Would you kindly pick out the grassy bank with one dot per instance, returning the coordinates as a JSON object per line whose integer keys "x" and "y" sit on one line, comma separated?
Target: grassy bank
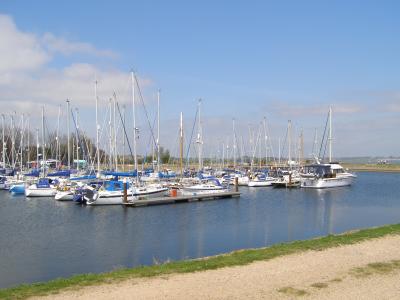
{"x": 235, "y": 258}
{"x": 372, "y": 167}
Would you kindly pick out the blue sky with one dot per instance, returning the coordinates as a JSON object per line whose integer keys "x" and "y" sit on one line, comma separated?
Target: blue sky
{"x": 248, "y": 59}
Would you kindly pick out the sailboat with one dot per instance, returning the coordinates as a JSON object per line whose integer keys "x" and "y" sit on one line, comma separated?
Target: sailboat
{"x": 44, "y": 187}
{"x": 288, "y": 178}
{"x": 326, "y": 175}
{"x": 137, "y": 191}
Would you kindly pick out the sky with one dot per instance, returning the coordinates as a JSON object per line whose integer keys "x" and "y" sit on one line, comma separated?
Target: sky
{"x": 246, "y": 60}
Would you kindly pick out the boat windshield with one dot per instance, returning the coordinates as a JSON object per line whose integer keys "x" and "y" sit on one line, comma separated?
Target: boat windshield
{"x": 319, "y": 170}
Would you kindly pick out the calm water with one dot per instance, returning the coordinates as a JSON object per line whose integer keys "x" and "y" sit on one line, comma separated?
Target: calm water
{"x": 42, "y": 239}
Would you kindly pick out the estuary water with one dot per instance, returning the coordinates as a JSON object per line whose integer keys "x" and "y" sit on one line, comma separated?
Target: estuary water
{"x": 43, "y": 239}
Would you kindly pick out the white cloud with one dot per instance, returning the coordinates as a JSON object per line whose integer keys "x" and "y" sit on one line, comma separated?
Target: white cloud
{"x": 60, "y": 45}
{"x": 27, "y": 81}
{"x": 19, "y": 51}
{"x": 290, "y": 110}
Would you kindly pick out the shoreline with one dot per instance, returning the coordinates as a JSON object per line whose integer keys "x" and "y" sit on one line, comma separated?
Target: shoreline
{"x": 372, "y": 168}
{"x": 240, "y": 258}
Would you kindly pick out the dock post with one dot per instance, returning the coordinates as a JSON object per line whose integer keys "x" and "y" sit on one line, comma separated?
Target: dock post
{"x": 236, "y": 183}
{"x": 125, "y": 200}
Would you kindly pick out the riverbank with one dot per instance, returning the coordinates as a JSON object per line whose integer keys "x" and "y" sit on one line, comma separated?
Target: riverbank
{"x": 284, "y": 270}
{"x": 372, "y": 167}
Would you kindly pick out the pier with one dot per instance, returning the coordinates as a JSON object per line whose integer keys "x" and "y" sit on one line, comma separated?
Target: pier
{"x": 182, "y": 198}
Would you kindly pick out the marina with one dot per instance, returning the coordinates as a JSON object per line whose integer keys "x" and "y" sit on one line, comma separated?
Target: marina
{"x": 46, "y": 239}
{"x": 194, "y": 149}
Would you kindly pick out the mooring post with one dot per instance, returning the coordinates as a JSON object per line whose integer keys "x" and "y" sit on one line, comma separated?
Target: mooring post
{"x": 236, "y": 183}
{"x": 125, "y": 200}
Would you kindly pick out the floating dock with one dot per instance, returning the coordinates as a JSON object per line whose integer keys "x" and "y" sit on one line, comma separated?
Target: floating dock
{"x": 182, "y": 198}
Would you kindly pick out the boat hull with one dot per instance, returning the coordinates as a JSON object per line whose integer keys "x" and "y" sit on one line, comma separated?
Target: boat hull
{"x": 260, "y": 183}
{"x": 96, "y": 199}
{"x": 64, "y": 196}
{"x": 323, "y": 183}
{"x": 195, "y": 192}
{"x": 40, "y": 192}
{"x": 17, "y": 189}
{"x": 4, "y": 186}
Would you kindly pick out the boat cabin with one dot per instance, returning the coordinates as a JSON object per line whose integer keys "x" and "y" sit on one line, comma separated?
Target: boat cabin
{"x": 324, "y": 170}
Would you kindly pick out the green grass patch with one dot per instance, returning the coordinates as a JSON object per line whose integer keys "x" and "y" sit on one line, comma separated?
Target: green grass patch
{"x": 319, "y": 285}
{"x": 376, "y": 268}
{"x": 372, "y": 167}
{"x": 336, "y": 280}
{"x": 292, "y": 291}
{"x": 236, "y": 258}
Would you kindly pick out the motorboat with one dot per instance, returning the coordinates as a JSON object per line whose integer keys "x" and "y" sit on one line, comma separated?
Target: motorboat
{"x": 66, "y": 190}
{"x": 328, "y": 175}
{"x": 209, "y": 186}
{"x": 287, "y": 179}
{"x": 260, "y": 179}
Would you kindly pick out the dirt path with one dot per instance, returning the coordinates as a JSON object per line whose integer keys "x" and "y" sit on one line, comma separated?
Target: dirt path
{"x": 369, "y": 270}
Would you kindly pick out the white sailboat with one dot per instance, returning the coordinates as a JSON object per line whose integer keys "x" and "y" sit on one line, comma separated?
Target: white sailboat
{"x": 44, "y": 187}
{"x": 288, "y": 178}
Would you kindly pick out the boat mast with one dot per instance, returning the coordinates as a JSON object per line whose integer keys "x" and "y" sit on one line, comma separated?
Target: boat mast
{"x": 259, "y": 150}
{"x": 29, "y": 139}
{"x": 37, "y": 149}
{"x": 279, "y": 151}
{"x": 223, "y": 155}
{"x": 330, "y": 134}
{"x": 110, "y": 134}
{"x": 158, "y": 131}
{"x": 22, "y": 140}
{"x": 57, "y": 136}
{"x": 12, "y": 141}
{"x": 123, "y": 143}
{"x": 97, "y": 128}
{"x": 234, "y": 144}
{"x": 289, "y": 141}
{"x": 242, "y": 152}
{"x": 68, "y": 136}
{"x": 266, "y": 140}
{"x": 43, "y": 145}
{"x": 3, "y": 139}
{"x": 199, "y": 137}
{"x": 181, "y": 144}
{"x": 115, "y": 133}
{"x": 315, "y": 144}
{"x": 134, "y": 126}
{"x": 301, "y": 160}
{"x": 250, "y": 142}
{"x": 77, "y": 138}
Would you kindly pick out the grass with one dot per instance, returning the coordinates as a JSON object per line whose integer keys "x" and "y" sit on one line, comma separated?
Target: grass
{"x": 319, "y": 285}
{"x": 372, "y": 167}
{"x": 292, "y": 291}
{"x": 236, "y": 258}
{"x": 376, "y": 268}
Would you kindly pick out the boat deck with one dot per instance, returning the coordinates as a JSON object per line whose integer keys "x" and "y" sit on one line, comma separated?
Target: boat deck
{"x": 182, "y": 198}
